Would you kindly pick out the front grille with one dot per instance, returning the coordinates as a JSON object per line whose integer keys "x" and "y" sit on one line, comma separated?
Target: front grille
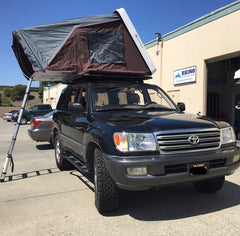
{"x": 179, "y": 141}
{"x": 183, "y": 168}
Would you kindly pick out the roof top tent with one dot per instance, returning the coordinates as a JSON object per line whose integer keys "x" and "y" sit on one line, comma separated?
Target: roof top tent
{"x": 67, "y": 50}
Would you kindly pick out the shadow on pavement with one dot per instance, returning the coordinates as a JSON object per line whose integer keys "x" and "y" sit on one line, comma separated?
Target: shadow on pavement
{"x": 177, "y": 202}
{"x": 86, "y": 179}
{"x": 44, "y": 146}
{"x": 171, "y": 202}
{"x": 31, "y": 174}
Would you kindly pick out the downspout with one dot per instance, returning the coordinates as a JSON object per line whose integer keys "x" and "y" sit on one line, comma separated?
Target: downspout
{"x": 160, "y": 51}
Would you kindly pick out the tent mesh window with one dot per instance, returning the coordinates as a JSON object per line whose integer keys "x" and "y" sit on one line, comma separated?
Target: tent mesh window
{"x": 106, "y": 47}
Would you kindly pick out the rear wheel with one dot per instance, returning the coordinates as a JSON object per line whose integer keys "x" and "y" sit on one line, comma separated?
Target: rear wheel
{"x": 106, "y": 191}
{"x": 61, "y": 162}
{"x": 210, "y": 185}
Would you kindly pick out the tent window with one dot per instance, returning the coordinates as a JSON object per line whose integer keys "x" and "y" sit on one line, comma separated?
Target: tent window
{"x": 106, "y": 47}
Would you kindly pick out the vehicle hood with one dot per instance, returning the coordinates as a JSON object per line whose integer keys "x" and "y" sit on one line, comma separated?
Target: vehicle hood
{"x": 156, "y": 121}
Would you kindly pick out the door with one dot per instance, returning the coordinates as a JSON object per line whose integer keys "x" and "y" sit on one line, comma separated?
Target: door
{"x": 79, "y": 124}
{"x": 74, "y": 125}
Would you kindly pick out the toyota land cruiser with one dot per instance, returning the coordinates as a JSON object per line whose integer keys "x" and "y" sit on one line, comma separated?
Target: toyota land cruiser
{"x": 132, "y": 136}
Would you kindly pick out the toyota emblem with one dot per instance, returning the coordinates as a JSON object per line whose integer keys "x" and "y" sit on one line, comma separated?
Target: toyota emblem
{"x": 193, "y": 139}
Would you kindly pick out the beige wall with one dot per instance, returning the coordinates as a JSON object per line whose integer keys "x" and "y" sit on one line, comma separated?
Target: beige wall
{"x": 219, "y": 39}
{"x": 52, "y": 94}
{"x": 157, "y": 59}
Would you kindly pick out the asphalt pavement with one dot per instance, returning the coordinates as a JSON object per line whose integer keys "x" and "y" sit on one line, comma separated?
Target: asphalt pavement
{"x": 38, "y": 199}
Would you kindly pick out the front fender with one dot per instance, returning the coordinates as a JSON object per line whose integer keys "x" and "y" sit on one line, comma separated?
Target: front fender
{"x": 101, "y": 139}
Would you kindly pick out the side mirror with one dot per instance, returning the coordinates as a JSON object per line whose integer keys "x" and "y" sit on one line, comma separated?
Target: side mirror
{"x": 181, "y": 106}
{"x": 75, "y": 108}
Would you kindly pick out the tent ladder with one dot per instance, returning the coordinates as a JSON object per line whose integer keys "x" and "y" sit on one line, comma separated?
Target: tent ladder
{"x": 9, "y": 158}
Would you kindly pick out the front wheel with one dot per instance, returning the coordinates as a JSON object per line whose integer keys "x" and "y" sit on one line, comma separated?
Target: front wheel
{"x": 210, "y": 185}
{"x": 106, "y": 191}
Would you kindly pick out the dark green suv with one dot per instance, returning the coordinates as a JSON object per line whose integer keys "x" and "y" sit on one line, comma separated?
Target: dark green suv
{"x": 34, "y": 110}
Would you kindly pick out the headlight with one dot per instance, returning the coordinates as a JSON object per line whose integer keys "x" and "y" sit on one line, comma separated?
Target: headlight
{"x": 134, "y": 142}
{"x": 227, "y": 135}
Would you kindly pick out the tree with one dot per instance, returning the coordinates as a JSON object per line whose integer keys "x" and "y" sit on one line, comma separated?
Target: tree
{"x": 7, "y": 92}
{"x": 18, "y": 92}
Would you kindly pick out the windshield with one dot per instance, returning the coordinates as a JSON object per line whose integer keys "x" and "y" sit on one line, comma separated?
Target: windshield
{"x": 137, "y": 96}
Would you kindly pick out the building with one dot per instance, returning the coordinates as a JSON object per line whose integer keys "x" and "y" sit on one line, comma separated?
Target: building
{"x": 52, "y": 94}
{"x": 196, "y": 64}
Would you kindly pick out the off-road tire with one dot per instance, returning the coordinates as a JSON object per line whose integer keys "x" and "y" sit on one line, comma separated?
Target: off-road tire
{"x": 61, "y": 162}
{"x": 210, "y": 185}
{"x": 106, "y": 191}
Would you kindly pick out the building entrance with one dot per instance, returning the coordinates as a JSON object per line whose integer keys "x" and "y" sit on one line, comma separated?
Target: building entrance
{"x": 223, "y": 94}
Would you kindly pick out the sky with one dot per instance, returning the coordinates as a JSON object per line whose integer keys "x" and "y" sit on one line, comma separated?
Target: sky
{"x": 148, "y": 17}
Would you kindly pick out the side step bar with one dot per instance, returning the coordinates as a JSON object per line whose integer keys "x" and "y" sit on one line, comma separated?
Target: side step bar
{"x": 76, "y": 162}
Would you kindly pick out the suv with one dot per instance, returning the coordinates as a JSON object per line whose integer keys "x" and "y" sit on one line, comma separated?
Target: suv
{"x": 34, "y": 110}
{"x": 132, "y": 136}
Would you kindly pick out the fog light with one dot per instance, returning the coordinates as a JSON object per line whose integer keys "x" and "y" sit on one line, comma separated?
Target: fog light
{"x": 236, "y": 158}
{"x": 137, "y": 171}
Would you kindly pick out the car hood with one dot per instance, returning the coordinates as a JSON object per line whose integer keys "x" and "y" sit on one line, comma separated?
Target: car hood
{"x": 139, "y": 121}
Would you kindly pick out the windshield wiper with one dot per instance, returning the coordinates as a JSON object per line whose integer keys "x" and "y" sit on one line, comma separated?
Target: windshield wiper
{"x": 157, "y": 107}
{"x": 120, "y": 108}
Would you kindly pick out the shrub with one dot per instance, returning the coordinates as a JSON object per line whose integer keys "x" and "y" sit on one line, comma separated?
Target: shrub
{"x": 7, "y": 92}
{"x": 6, "y": 102}
{"x": 18, "y": 92}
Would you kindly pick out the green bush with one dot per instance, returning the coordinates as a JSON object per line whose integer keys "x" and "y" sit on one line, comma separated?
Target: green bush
{"x": 7, "y": 92}
{"x": 6, "y": 102}
{"x": 18, "y": 92}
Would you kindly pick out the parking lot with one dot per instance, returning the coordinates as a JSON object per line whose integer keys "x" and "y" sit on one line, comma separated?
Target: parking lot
{"x": 38, "y": 199}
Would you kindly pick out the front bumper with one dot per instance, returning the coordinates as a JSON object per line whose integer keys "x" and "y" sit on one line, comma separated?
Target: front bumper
{"x": 170, "y": 169}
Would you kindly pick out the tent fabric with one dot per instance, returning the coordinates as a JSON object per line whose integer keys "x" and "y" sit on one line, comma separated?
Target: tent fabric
{"x": 76, "y": 47}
